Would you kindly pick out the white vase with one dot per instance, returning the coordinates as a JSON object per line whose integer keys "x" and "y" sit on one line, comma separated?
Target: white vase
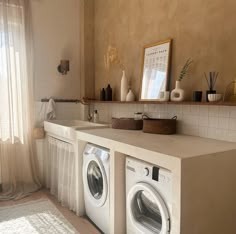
{"x": 123, "y": 87}
{"x": 177, "y": 94}
{"x": 130, "y": 96}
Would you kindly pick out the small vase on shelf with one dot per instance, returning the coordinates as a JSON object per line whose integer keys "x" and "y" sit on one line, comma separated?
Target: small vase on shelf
{"x": 211, "y": 81}
{"x": 209, "y": 92}
{"x": 108, "y": 93}
{"x": 177, "y": 94}
{"x": 102, "y": 95}
{"x": 123, "y": 87}
{"x": 130, "y": 96}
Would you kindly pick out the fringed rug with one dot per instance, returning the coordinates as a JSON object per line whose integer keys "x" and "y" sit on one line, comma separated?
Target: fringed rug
{"x": 34, "y": 217}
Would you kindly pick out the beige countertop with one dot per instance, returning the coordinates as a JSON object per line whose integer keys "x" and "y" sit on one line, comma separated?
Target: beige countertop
{"x": 180, "y": 146}
{"x": 191, "y": 175}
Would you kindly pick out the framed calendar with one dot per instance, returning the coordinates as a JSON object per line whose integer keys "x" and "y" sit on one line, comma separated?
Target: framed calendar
{"x": 155, "y": 70}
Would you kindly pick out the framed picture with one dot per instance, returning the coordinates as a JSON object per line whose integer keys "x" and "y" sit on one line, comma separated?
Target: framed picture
{"x": 155, "y": 70}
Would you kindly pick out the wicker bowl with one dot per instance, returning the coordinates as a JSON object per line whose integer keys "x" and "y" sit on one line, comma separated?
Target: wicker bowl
{"x": 160, "y": 126}
{"x": 127, "y": 123}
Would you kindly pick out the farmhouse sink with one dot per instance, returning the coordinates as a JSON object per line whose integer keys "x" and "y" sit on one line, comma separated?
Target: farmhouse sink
{"x": 66, "y": 129}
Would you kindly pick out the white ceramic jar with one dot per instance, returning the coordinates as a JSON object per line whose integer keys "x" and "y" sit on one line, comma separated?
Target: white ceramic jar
{"x": 177, "y": 94}
{"x": 130, "y": 96}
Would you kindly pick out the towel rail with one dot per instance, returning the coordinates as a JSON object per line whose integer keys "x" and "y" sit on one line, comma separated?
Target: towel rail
{"x": 62, "y": 100}
{"x": 84, "y": 101}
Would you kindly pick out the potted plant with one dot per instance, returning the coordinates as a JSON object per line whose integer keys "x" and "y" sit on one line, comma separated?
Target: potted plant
{"x": 177, "y": 94}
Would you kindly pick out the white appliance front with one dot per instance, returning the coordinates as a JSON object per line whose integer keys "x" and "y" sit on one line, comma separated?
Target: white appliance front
{"x": 96, "y": 185}
{"x": 146, "y": 188}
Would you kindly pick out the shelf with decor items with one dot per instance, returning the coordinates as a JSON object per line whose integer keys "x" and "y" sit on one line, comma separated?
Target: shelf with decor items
{"x": 172, "y": 103}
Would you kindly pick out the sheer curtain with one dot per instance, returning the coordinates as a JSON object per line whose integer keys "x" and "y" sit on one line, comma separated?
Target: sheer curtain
{"x": 18, "y": 172}
{"x": 59, "y": 165}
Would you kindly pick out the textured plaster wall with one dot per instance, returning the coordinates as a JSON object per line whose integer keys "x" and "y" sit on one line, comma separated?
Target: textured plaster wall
{"x": 203, "y": 30}
{"x": 56, "y": 36}
{"x": 89, "y": 48}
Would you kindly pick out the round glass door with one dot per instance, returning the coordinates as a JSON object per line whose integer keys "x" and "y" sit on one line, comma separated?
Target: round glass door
{"x": 146, "y": 211}
{"x": 95, "y": 180}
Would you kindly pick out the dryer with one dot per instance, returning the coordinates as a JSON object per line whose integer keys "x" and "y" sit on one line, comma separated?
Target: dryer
{"x": 96, "y": 185}
{"x": 148, "y": 198}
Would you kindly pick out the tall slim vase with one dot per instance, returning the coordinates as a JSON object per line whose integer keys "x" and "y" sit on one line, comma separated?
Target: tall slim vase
{"x": 123, "y": 87}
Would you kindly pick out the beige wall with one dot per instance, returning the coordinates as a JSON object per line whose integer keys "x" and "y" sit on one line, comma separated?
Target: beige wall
{"x": 87, "y": 48}
{"x": 203, "y": 30}
{"x": 56, "y": 37}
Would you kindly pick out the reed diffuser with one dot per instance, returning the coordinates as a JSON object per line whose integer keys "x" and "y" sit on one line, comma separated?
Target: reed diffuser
{"x": 211, "y": 81}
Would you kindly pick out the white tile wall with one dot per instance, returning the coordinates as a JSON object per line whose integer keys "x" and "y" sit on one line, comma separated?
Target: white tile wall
{"x": 217, "y": 122}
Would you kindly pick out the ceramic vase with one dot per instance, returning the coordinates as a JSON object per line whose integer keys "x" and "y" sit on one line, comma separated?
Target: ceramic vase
{"x": 177, "y": 94}
{"x": 130, "y": 96}
{"x": 123, "y": 87}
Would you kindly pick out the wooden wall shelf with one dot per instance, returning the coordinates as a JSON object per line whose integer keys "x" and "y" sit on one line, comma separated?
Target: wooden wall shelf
{"x": 173, "y": 103}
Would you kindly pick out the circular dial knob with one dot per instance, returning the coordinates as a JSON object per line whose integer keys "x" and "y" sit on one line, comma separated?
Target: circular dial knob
{"x": 145, "y": 171}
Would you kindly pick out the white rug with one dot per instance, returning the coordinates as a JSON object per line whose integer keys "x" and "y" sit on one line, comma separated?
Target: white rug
{"x": 34, "y": 217}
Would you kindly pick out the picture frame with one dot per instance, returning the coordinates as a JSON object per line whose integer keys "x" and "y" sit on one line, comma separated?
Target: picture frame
{"x": 155, "y": 70}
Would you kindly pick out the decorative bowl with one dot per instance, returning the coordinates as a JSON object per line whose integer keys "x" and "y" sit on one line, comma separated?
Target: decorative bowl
{"x": 214, "y": 97}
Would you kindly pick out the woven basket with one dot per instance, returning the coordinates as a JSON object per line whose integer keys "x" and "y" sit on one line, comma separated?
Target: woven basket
{"x": 160, "y": 126}
{"x": 127, "y": 123}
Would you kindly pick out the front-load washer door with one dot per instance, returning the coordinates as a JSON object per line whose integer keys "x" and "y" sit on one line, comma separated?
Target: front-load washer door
{"x": 95, "y": 180}
{"x": 147, "y": 210}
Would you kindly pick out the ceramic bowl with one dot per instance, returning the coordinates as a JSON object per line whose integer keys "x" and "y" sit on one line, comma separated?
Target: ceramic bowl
{"x": 214, "y": 97}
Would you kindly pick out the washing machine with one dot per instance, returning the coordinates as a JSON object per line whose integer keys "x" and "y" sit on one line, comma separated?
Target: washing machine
{"x": 96, "y": 185}
{"x": 148, "y": 198}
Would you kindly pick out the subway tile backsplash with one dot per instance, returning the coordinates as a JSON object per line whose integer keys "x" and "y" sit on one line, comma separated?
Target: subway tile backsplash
{"x": 216, "y": 122}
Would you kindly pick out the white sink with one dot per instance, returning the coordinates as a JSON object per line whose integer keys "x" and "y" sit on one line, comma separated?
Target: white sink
{"x": 66, "y": 129}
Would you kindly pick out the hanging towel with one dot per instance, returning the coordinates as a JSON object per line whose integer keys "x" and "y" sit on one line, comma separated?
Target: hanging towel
{"x": 51, "y": 110}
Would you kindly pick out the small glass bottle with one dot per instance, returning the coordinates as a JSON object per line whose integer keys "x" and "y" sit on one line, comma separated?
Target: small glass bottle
{"x": 95, "y": 116}
{"x": 102, "y": 95}
{"x": 108, "y": 93}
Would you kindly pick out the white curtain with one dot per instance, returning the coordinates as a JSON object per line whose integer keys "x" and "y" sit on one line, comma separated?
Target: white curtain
{"x": 59, "y": 164}
{"x": 18, "y": 172}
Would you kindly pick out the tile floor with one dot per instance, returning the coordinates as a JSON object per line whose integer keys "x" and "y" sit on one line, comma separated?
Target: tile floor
{"x": 80, "y": 223}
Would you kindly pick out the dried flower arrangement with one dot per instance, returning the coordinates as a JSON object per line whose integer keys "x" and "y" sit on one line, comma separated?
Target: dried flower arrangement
{"x": 185, "y": 69}
{"x": 112, "y": 58}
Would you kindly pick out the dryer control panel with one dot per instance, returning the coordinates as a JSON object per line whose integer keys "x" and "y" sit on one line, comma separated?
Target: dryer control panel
{"x": 148, "y": 171}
